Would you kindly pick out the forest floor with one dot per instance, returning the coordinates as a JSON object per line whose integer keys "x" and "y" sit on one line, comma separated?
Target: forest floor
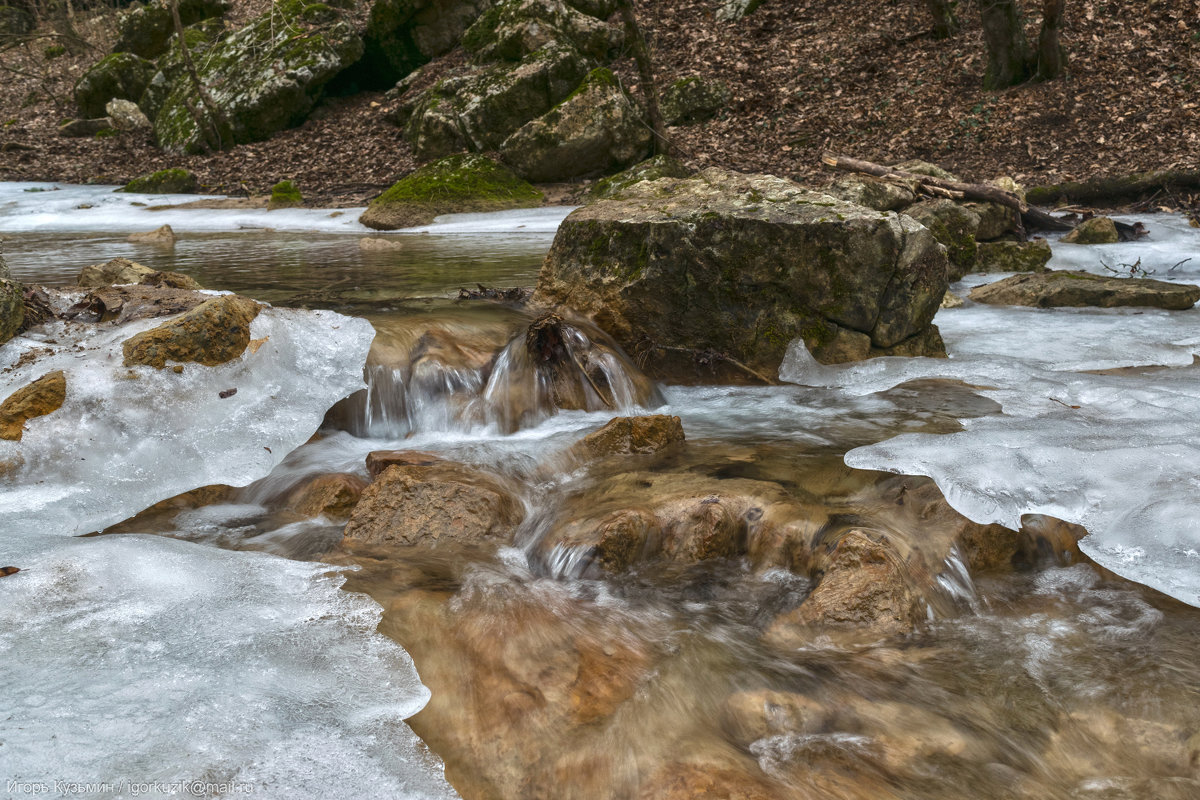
{"x": 863, "y": 78}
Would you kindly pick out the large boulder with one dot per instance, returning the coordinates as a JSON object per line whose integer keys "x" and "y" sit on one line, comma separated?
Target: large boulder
{"x": 263, "y": 78}
{"x": 453, "y": 184}
{"x": 172, "y": 65}
{"x": 43, "y": 396}
{"x": 871, "y": 192}
{"x": 653, "y": 168}
{"x": 1063, "y": 288}
{"x": 214, "y": 332}
{"x": 439, "y": 503}
{"x": 120, "y": 75}
{"x": 478, "y": 111}
{"x": 744, "y": 264}
{"x": 401, "y": 35}
{"x": 144, "y": 30}
{"x": 954, "y": 226}
{"x": 512, "y": 29}
{"x": 597, "y": 129}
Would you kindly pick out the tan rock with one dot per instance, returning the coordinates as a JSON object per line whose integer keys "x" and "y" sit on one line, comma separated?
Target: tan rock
{"x": 43, "y": 396}
{"x": 379, "y": 460}
{"x": 214, "y": 332}
{"x": 121, "y": 271}
{"x": 121, "y": 304}
{"x": 379, "y": 244}
{"x": 1075, "y": 289}
{"x": 951, "y": 300}
{"x": 634, "y": 435}
{"x": 442, "y": 502}
{"x": 333, "y": 495}
{"x": 749, "y": 716}
{"x": 163, "y": 236}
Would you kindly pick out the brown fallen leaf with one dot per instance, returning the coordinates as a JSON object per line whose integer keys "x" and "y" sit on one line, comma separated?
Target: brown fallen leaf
{"x": 6, "y": 571}
{"x": 257, "y": 343}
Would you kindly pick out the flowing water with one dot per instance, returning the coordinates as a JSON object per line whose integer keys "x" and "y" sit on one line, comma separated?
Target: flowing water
{"x": 207, "y": 641}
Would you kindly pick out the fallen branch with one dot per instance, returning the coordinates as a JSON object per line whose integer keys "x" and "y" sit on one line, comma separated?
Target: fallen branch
{"x": 705, "y": 357}
{"x": 937, "y": 186}
{"x": 1103, "y": 190}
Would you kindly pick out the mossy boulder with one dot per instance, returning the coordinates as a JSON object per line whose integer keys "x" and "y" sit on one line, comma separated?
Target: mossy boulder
{"x": 1031, "y": 256}
{"x": 1097, "y": 230}
{"x": 512, "y": 29}
{"x": 692, "y": 99}
{"x": 743, "y": 265}
{"x": 596, "y": 130}
{"x": 175, "y": 180}
{"x": 146, "y": 29}
{"x": 481, "y": 109}
{"x": 864, "y": 190}
{"x": 1062, "y": 288}
{"x": 214, "y": 332}
{"x": 995, "y": 220}
{"x": 12, "y": 306}
{"x": 121, "y": 75}
{"x": 652, "y": 169}
{"x": 265, "y": 77}
{"x": 954, "y": 226}
{"x": 285, "y": 195}
{"x": 199, "y": 37}
{"x": 44, "y": 396}
{"x": 454, "y": 184}
{"x": 401, "y": 35}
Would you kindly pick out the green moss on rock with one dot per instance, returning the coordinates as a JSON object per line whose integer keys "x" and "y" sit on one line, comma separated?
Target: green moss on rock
{"x": 512, "y": 29}
{"x": 454, "y": 184}
{"x": 120, "y": 75}
{"x": 652, "y": 169}
{"x": 12, "y": 306}
{"x": 1031, "y": 256}
{"x": 285, "y": 195}
{"x": 693, "y": 99}
{"x": 166, "y": 181}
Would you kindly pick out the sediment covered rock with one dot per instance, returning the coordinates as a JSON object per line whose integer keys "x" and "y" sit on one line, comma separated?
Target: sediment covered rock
{"x": 124, "y": 271}
{"x": 216, "y": 331}
{"x": 870, "y": 192}
{"x": 633, "y": 435}
{"x": 43, "y": 396}
{"x": 1063, "y": 288}
{"x": 742, "y": 265}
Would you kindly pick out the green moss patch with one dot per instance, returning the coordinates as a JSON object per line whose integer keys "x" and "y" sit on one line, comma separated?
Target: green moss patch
{"x": 285, "y": 195}
{"x": 165, "y": 181}
{"x": 450, "y": 185}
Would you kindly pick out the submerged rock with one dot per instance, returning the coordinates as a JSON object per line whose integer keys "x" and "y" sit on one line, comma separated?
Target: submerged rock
{"x": 743, "y": 264}
{"x": 634, "y": 435}
{"x": 597, "y": 129}
{"x": 125, "y": 271}
{"x": 164, "y": 237}
{"x": 1030, "y": 256}
{"x": 1062, "y": 288}
{"x": 333, "y": 495}
{"x": 43, "y": 396}
{"x": 442, "y": 502}
{"x": 216, "y": 331}
{"x": 1097, "y": 230}
{"x": 451, "y": 185}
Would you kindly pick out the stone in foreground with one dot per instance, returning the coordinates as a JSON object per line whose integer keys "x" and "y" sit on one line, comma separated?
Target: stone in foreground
{"x": 214, "y": 332}
{"x": 39, "y": 398}
{"x": 741, "y": 265}
{"x": 1062, "y": 288}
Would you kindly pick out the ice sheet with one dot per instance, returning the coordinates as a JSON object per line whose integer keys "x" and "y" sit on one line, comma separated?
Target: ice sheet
{"x": 48, "y": 207}
{"x": 140, "y": 659}
{"x": 127, "y": 438}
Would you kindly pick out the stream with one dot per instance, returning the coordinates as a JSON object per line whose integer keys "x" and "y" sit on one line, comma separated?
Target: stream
{"x": 232, "y": 643}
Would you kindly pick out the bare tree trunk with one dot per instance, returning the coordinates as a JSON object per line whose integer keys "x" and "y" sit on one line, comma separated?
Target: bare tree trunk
{"x": 641, "y": 54}
{"x": 1051, "y": 58}
{"x": 218, "y": 134}
{"x": 1008, "y": 50}
{"x": 945, "y": 23}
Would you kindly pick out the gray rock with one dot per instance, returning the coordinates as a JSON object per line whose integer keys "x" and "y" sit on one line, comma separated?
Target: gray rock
{"x": 692, "y": 99}
{"x": 512, "y": 29}
{"x": 126, "y": 116}
{"x": 954, "y": 226}
{"x": 401, "y": 35}
{"x": 595, "y": 130}
{"x": 1031, "y": 256}
{"x": 730, "y": 10}
{"x": 1062, "y": 288}
{"x": 742, "y": 265}
{"x": 145, "y": 30}
{"x": 864, "y": 190}
{"x": 652, "y": 169}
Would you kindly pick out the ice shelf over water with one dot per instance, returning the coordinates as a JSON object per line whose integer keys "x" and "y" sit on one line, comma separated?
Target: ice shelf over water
{"x": 145, "y": 662}
{"x": 128, "y": 437}
{"x": 1117, "y": 453}
{"x": 48, "y": 207}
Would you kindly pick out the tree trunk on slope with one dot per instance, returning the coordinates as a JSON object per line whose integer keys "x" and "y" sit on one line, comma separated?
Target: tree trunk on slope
{"x": 945, "y": 23}
{"x": 641, "y": 55}
{"x": 1051, "y": 58}
{"x": 1008, "y": 50}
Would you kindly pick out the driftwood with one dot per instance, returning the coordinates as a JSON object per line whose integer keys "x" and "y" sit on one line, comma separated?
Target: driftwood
{"x": 1031, "y": 217}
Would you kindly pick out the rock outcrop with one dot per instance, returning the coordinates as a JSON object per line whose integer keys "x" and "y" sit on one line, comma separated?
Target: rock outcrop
{"x": 512, "y": 29}
{"x": 214, "y": 332}
{"x": 43, "y": 396}
{"x": 652, "y": 169}
{"x": 743, "y": 264}
{"x": 401, "y": 35}
{"x": 264, "y": 77}
{"x": 145, "y": 30}
{"x": 1062, "y": 288}
{"x": 452, "y": 185}
{"x": 596, "y": 130}
{"x": 121, "y": 75}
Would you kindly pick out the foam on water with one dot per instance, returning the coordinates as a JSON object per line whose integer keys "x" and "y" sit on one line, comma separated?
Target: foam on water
{"x": 127, "y": 438}
{"x": 48, "y": 207}
{"x": 135, "y": 659}
{"x": 1116, "y": 453}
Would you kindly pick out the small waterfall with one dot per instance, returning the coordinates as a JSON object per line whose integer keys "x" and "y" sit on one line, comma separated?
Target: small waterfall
{"x": 457, "y": 378}
{"x": 956, "y": 584}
